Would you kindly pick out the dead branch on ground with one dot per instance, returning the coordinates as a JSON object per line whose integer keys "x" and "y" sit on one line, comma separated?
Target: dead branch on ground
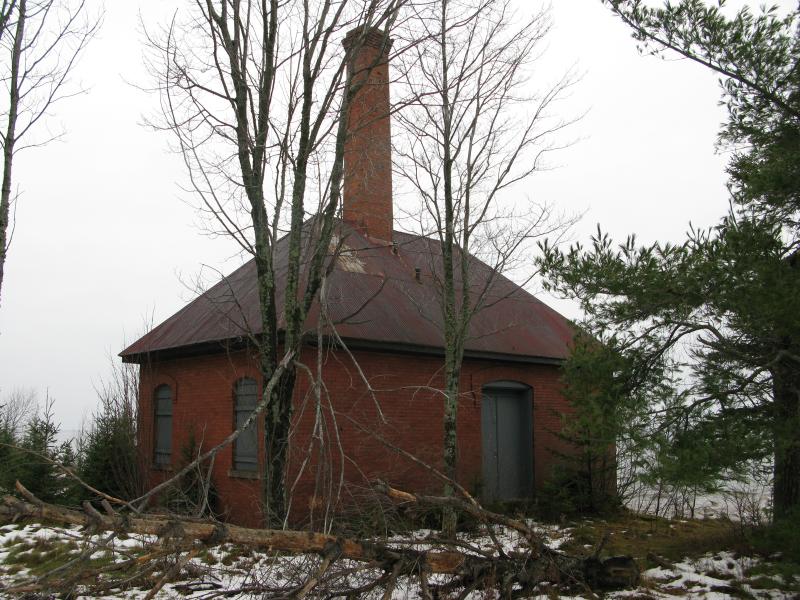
{"x": 384, "y": 563}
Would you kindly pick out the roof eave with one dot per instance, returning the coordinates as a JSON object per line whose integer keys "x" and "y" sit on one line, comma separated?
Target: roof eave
{"x": 238, "y": 344}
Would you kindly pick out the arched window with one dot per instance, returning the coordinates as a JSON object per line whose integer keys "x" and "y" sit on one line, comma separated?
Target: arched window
{"x": 245, "y": 448}
{"x": 163, "y": 425}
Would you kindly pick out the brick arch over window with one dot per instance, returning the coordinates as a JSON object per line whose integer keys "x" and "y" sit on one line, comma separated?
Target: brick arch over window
{"x": 162, "y": 418}
{"x": 245, "y": 447}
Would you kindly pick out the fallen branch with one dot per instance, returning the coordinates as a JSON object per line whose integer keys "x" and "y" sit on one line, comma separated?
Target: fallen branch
{"x": 660, "y": 561}
{"x": 171, "y": 573}
{"x": 520, "y": 571}
{"x": 299, "y": 542}
{"x": 548, "y": 564}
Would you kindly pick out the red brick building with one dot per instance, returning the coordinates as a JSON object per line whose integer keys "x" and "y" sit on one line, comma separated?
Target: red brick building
{"x": 199, "y": 377}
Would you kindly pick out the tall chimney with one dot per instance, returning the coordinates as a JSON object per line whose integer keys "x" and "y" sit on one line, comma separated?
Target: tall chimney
{"x": 367, "y": 201}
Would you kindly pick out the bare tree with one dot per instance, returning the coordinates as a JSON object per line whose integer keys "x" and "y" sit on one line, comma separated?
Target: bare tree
{"x": 41, "y": 41}
{"x": 16, "y": 409}
{"x": 472, "y": 134}
{"x": 256, "y": 93}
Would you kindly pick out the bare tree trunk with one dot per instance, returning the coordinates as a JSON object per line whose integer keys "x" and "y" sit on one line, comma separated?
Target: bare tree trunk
{"x": 453, "y": 377}
{"x": 280, "y": 107}
{"x": 786, "y": 418}
{"x": 10, "y": 133}
{"x": 786, "y": 484}
{"x": 43, "y": 40}
{"x": 277, "y": 430}
{"x": 454, "y": 321}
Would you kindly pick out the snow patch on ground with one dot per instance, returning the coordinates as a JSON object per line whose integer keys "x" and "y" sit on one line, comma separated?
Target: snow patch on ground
{"x": 718, "y": 576}
{"x": 226, "y": 567}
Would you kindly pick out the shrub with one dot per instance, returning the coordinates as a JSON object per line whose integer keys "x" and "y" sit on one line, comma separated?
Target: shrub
{"x": 570, "y": 491}
{"x": 780, "y": 537}
{"x": 194, "y": 494}
{"x": 108, "y": 452}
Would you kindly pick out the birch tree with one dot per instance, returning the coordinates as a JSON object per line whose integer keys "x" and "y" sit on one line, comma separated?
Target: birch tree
{"x": 256, "y": 93}
{"x": 472, "y": 133}
{"x": 40, "y": 42}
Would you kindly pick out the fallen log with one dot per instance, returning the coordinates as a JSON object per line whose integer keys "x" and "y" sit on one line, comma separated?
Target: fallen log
{"x": 520, "y": 572}
{"x": 299, "y": 542}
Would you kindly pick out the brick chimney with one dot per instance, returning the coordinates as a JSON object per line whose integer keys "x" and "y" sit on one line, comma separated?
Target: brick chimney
{"x": 367, "y": 201}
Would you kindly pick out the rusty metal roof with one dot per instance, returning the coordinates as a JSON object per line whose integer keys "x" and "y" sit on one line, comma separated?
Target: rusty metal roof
{"x": 375, "y": 298}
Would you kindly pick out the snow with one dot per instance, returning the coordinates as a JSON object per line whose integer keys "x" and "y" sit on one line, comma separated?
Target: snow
{"x": 712, "y": 577}
{"x": 745, "y": 501}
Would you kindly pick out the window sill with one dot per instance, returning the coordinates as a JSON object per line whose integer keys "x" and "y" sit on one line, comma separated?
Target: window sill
{"x": 167, "y": 468}
{"x": 243, "y": 474}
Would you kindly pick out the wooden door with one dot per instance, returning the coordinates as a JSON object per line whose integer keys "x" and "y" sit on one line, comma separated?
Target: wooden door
{"x": 507, "y": 436}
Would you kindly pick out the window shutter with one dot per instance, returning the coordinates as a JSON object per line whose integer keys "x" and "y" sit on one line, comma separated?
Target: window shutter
{"x": 245, "y": 449}
{"x": 163, "y": 425}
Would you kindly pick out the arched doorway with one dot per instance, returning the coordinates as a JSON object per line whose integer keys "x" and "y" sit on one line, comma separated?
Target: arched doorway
{"x": 507, "y": 438}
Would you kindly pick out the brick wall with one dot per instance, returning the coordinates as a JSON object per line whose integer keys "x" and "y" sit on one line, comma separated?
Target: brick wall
{"x": 410, "y": 417}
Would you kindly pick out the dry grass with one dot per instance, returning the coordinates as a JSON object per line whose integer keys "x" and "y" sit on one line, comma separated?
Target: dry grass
{"x": 639, "y": 535}
{"x": 678, "y": 540}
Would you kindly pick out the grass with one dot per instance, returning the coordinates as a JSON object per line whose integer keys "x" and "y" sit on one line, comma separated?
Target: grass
{"x": 775, "y": 574}
{"x": 639, "y": 535}
{"x": 35, "y": 556}
{"x": 207, "y": 558}
{"x": 677, "y": 540}
{"x": 40, "y": 556}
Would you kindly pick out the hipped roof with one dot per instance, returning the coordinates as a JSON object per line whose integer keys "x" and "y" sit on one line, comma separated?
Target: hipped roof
{"x": 374, "y": 298}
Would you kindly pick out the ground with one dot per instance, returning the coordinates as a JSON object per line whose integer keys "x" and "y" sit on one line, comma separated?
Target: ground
{"x": 690, "y": 559}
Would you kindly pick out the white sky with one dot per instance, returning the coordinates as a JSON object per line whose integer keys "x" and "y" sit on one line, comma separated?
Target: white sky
{"x": 105, "y": 238}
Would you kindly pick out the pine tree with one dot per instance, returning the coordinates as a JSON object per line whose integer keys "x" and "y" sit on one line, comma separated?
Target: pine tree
{"x": 720, "y": 309}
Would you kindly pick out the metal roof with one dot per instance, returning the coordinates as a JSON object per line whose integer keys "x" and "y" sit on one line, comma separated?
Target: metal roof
{"x": 374, "y": 297}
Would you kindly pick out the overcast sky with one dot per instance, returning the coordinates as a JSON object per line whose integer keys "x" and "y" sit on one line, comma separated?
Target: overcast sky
{"x": 105, "y": 239}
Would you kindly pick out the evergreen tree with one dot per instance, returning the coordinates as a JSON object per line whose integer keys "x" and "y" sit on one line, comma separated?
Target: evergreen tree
{"x": 606, "y": 427}
{"x": 718, "y": 310}
{"x": 108, "y": 459}
{"x": 36, "y": 459}
{"x": 8, "y": 455}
